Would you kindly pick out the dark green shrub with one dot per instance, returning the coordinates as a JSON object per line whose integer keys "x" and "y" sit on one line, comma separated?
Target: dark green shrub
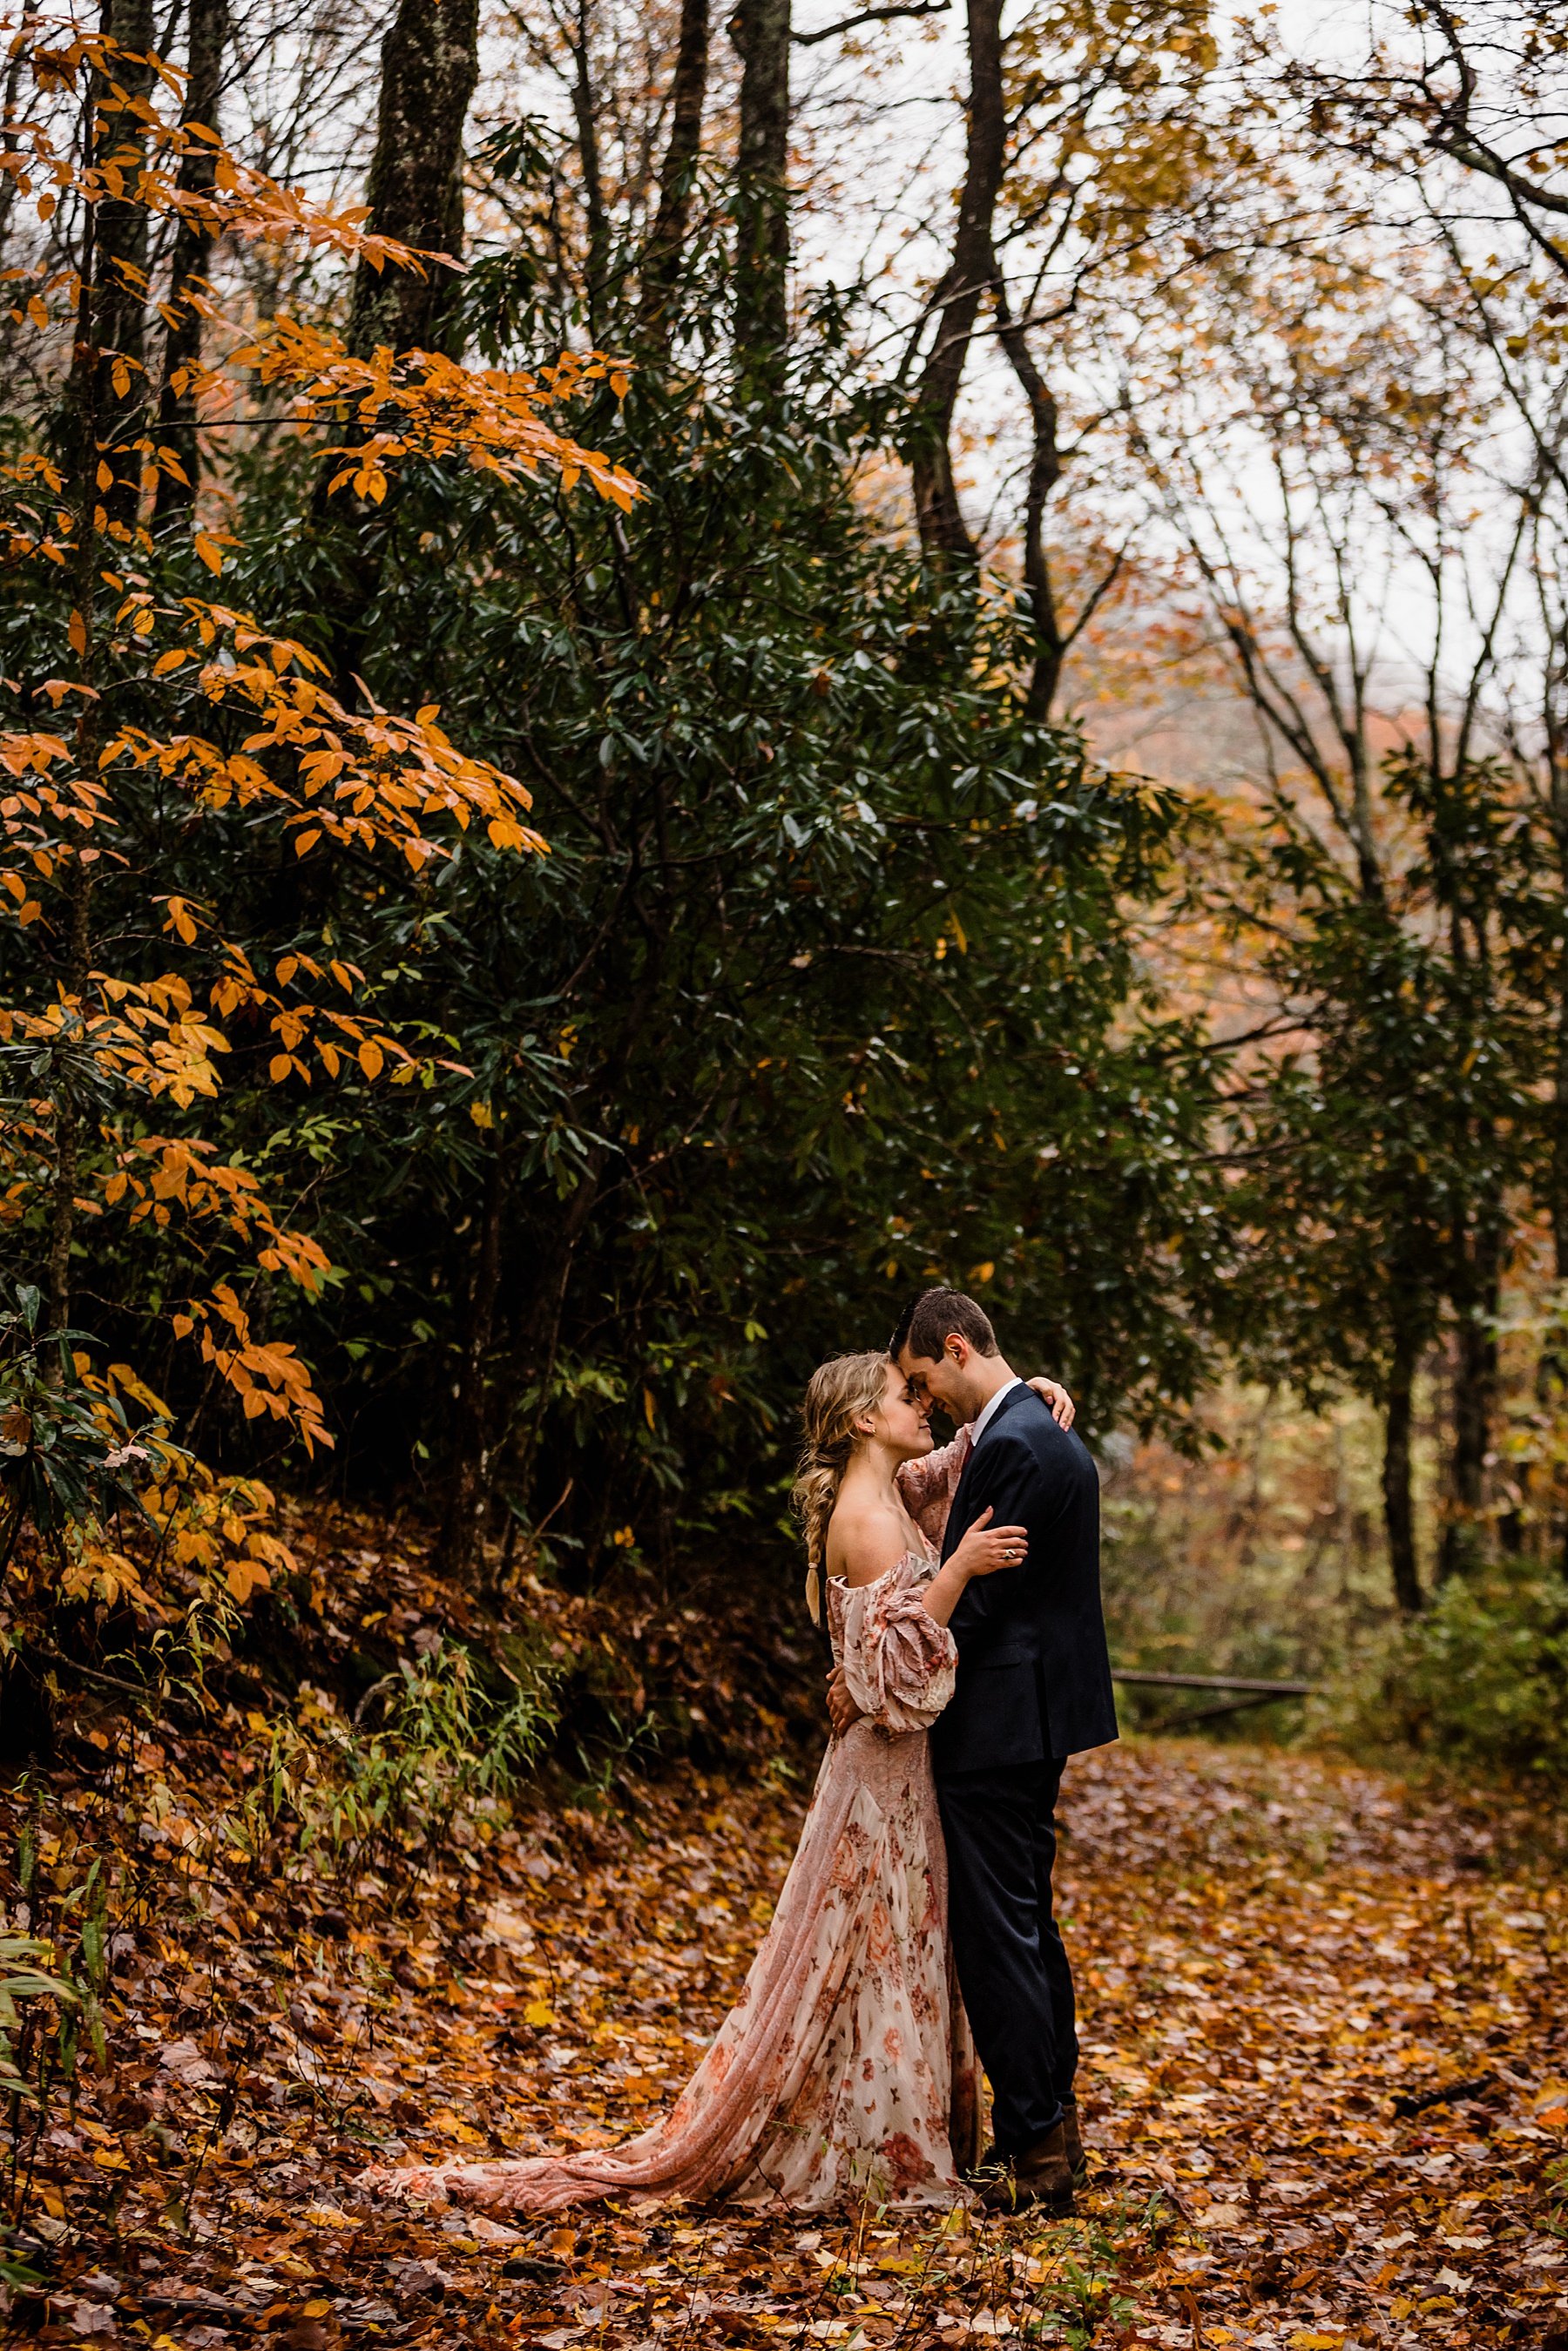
{"x": 1480, "y": 1681}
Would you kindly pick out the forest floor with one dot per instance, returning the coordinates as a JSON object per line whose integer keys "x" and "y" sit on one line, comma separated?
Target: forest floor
{"x": 1325, "y": 2079}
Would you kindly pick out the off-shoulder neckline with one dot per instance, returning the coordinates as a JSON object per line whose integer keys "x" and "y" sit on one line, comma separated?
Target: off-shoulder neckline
{"x": 921, "y": 1559}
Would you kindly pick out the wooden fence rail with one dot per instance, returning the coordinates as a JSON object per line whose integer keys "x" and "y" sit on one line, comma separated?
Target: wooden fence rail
{"x": 1246, "y": 1692}
{"x": 1213, "y": 1682}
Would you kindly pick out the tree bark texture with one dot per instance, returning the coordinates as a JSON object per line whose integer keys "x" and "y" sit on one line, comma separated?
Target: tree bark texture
{"x": 13, "y": 86}
{"x": 1472, "y": 1408}
{"x": 189, "y": 265}
{"x": 106, "y": 395}
{"x": 956, "y": 305}
{"x": 1557, "y": 757}
{"x": 462, "y": 1539}
{"x": 666, "y": 248}
{"x": 477, "y": 1445}
{"x": 585, "y": 108}
{"x": 1044, "y": 472}
{"x": 760, "y": 31}
{"x": 430, "y": 63}
{"x": 1398, "y": 1509}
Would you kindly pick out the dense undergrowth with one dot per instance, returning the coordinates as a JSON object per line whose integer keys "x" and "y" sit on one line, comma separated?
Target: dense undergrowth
{"x": 1262, "y": 1556}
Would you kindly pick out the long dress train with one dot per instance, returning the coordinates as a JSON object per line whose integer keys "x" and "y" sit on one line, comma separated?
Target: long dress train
{"x": 846, "y": 2069}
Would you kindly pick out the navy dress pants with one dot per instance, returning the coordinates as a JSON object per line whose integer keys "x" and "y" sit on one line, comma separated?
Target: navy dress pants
{"x": 1000, "y": 1828}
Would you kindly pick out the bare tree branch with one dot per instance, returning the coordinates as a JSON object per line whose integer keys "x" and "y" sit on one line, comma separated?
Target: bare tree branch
{"x": 872, "y": 16}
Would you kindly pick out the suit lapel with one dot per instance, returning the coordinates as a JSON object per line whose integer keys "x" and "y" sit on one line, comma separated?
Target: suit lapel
{"x": 955, "y": 1517}
{"x": 956, "y": 1522}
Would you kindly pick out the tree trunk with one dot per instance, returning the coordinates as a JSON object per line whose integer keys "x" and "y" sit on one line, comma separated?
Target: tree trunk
{"x": 1398, "y": 1511}
{"x": 760, "y": 31}
{"x": 13, "y": 85}
{"x": 430, "y": 63}
{"x": 188, "y": 267}
{"x": 585, "y": 107}
{"x": 1559, "y": 1116}
{"x": 518, "y": 1446}
{"x": 106, "y": 394}
{"x": 63, "y": 1210}
{"x": 970, "y": 274}
{"x": 1473, "y": 1403}
{"x": 1044, "y": 472}
{"x": 1551, "y": 1373}
{"x": 461, "y": 1545}
{"x": 666, "y": 245}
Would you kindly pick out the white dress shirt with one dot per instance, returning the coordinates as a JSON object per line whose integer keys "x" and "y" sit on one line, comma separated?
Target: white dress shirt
{"x": 983, "y": 1420}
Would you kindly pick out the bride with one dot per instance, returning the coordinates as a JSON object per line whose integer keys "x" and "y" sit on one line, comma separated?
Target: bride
{"x": 845, "y": 2068}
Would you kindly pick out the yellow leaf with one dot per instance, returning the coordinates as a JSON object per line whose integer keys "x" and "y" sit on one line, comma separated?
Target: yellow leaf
{"x": 38, "y": 311}
{"x": 166, "y": 661}
{"x": 648, "y": 1406}
{"x": 78, "y": 634}
{"x": 109, "y": 2158}
{"x": 211, "y": 555}
{"x": 183, "y": 1326}
{"x": 278, "y": 1069}
{"x": 305, "y": 842}
{"x": 105, "y": 475}
{"x": 244, "y": 1576}
{"x": 539, "y": 2012}
{"x": 371, "y": 1058}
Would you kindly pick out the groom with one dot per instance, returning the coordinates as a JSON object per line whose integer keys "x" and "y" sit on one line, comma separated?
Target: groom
{"x": 1033, "y": 1687}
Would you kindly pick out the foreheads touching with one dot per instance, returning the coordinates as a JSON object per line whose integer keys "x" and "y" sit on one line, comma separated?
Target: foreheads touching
{"x": 946, "y": 1348}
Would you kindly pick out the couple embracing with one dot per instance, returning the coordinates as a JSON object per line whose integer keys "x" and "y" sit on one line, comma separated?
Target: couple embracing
{"x": 914, "y": 1941}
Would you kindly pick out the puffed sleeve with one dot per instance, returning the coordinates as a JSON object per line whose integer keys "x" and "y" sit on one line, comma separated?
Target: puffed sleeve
{"x": 898, "y": 1661}
{"x": 928, "y": 1486}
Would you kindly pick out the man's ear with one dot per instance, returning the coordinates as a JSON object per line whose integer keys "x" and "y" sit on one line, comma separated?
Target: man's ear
{"x": 958, "y": 1347}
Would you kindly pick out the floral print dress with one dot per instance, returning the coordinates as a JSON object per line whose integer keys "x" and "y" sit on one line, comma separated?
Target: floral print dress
{"x": 846, "y": 2069}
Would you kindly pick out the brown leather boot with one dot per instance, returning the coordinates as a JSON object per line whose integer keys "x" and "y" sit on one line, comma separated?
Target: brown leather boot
{"x": 1077, "y": 2155}
{"x": 1040, "y": 2176}
{"x": 1077, "y": 2159}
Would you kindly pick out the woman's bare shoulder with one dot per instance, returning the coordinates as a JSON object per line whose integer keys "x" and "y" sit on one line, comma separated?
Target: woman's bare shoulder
{"x": 866, "y": 1540}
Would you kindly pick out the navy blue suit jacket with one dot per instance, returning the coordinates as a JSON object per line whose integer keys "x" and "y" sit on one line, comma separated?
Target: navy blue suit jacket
{"x": 1034, "y": 1672}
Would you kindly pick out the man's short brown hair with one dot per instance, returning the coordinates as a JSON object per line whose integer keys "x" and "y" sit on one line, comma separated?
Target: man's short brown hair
{"x": 925, "y": 1322}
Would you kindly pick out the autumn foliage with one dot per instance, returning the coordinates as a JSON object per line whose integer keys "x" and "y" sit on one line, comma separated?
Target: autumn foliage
{"x": 152, "y": 698}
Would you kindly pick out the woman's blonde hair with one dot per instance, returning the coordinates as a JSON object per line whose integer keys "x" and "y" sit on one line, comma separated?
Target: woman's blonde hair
{"x": 839, "y": 1393}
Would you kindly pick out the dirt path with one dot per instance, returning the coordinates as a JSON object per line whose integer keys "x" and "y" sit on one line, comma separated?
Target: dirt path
{"x": 1273, "y": 1955}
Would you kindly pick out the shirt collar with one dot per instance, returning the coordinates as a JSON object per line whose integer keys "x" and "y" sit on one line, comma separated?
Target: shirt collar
{"x": 983, "y": 1420}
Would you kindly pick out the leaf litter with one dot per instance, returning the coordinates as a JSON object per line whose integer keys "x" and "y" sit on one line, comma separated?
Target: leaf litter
{"x": 1325, "y": 2078}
